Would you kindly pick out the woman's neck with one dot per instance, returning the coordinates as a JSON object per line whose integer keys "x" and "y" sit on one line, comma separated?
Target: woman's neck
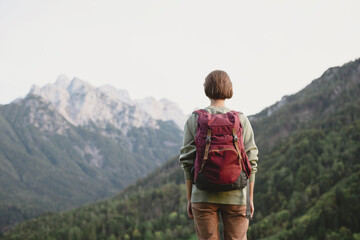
{"x": 217, "y": 102}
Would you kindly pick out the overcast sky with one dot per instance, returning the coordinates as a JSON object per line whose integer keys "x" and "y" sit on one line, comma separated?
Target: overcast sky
{"x": 166, "y": 48}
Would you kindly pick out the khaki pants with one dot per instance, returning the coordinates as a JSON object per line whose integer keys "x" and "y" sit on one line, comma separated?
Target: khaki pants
{"x": 206, "y": 218}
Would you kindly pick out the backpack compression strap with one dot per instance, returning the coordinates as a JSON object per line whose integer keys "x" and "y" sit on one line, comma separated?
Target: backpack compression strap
{"x": 236, "y": 139}
{"x": 208, "y": 140}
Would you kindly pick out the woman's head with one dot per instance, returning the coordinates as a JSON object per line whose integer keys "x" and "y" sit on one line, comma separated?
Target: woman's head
{"x": 218, "y": 85}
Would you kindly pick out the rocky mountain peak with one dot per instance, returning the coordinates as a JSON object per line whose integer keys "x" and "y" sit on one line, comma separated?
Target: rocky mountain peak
{"x": 78, "y": 86}
{"x": 82, "y": 104}
{"x": 63, "y": 81}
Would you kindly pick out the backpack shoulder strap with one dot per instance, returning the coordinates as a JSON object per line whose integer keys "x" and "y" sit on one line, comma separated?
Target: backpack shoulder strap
{"x": 201, "y": 112}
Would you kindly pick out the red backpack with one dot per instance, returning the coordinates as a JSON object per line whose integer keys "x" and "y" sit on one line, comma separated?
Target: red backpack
{"x": 221, "y": 162}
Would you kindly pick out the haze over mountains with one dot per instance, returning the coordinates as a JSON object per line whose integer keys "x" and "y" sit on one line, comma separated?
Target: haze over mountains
{"x": 69, "y": 143}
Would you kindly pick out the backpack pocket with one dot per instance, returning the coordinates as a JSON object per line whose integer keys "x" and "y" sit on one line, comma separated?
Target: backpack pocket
{"x": 222, "y": 165}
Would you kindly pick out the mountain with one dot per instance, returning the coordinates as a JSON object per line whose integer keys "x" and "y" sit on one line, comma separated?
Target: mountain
{"x": 80, "y": 103}
{"x": 69, "y": 143}
{"x": 307, "y": 186}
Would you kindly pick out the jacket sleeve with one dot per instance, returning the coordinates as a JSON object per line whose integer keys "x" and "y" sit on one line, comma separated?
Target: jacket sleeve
{"x": 250, "y": 146}
{"x": 188, "y": 149}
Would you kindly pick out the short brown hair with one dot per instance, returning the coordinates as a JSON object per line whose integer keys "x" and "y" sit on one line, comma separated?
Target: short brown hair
{"x": 218, "y": 85}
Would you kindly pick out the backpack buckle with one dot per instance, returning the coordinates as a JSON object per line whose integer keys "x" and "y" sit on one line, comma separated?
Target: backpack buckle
{"x": 208, "y": 136}
{"x": 235, "y": 135}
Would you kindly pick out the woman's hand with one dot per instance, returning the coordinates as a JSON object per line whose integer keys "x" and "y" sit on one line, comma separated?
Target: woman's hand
{"x": 188, "y": 195}
{"x": 251, "y": 191}
{"x": 252, "y": 208}
{"x": 189, "y": 210}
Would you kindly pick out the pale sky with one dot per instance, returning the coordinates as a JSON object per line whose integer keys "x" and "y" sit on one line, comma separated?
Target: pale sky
{"x": 165, "y": 48}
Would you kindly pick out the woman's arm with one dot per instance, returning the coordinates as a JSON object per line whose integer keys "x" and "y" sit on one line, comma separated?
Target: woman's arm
{"x": 187, "y": 157}
{"x": 252, "y": 208}
{"x": 188, "y": 194}
{"x": 188, "y": 149}
{"x": 252, "y": 152}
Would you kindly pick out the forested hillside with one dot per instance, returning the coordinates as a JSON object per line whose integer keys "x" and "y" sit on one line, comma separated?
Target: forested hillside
{"x": 307, "y": 186}
{"x": 311, "y": 156}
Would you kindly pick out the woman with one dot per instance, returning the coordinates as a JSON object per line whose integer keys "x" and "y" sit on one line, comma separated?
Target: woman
{"x": 204, "y": 206}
